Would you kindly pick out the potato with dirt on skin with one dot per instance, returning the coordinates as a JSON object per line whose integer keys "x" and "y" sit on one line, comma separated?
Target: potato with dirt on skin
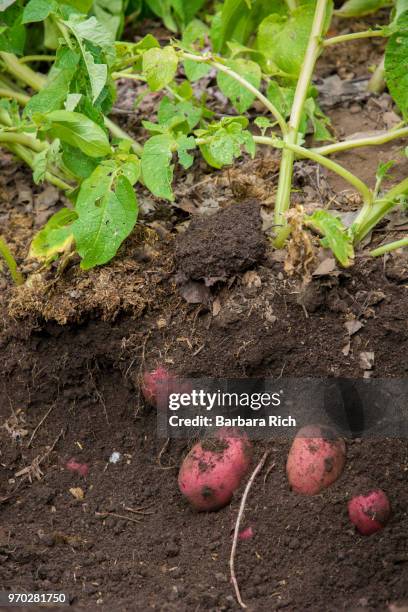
{"x": 369, "y": 512}
{"x": 214, "y": 469}
{"x": 316, "y": 459}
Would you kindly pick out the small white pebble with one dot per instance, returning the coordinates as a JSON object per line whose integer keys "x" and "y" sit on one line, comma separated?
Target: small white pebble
{"x": 115, "y": 457}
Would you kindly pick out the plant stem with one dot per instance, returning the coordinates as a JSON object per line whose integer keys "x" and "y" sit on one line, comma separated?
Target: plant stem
{"x": 36, "y": 58}
{"x": 292, "y": 5}
{"x": 286, "y": 169}
{"x": 345, "y": 145}
{"x": 23, "y": 139}
{"x": 14, "y": 95}
{"x": 391, "y": 246}
{"x": 21, "y": 72}
{"x": 377, "y": 81}
{"x": 323, "y": 161}
{"x": 370, "y": 215}
{"x": 15, "y": 274}
{"x": 335, "y": 40}
{"x": 242, "y": 81}
{"x": 117, "y": 132}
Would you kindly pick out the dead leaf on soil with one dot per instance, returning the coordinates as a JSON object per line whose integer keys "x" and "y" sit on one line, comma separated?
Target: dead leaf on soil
{"x": 216, "y": 307}
{"x": 327, "y": 266}
{"x": 353, "y": 326}
{"x": 77, "y": 492}
{"x": 195, "y": 293}
{"x": 367, "y": 360}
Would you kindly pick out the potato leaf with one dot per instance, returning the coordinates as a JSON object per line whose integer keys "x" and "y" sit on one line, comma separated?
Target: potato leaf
{"x": 38, "y": 10}
{"x": 396, "y": 74}
{"x": 335, "y": 235}
{"x": 53, "y": 95}
{"x": 107, "y": 212}
{"x": 157, "y": 170}
{"x": 110, "y": 13}
{"x": 77, "y": 130}
{"x": 55, "y": 237}
{"x": 12, "y": 32}
{"x": 283, "y": 38}
{"x": 240, "y": 97}
{"x": 193, "y": 39}
{"x": 91, "y": 31}
{"x": 159, "y": 67}
{"x": 225, "y": 141}
{"x": 359, "y": 8}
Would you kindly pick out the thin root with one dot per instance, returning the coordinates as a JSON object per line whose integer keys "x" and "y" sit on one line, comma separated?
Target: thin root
{"x": 237, "y": 526}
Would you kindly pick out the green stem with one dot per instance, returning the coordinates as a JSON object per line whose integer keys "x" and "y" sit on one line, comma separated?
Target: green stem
{"x": 15, "y": 274}
{"x": 377, "y": 82}
{"x": 368, "y": 141}
{"x": 117, "y": 132}
{"x": 391, "y": 246}
{"x": 286, "y": 169}
{"x": 323, "y": 161}
{"x": 36, "y": 58}
{"x": 242, "y": 81}
{"x": 127, "y": 75}
{"x": 14, "y": 95}
{"x": 371, "y": 214}
{"x": 292, "y": 5}
{"x": 335, "y": 40}
{"x": 22, "y": 139}
{"x": 21, "y": 72}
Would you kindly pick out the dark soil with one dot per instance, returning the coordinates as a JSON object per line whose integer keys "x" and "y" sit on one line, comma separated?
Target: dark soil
{"x": 208, "y": 298}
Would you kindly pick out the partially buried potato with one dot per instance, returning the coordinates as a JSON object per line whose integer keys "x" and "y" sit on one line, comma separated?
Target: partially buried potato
{"x": 213, "y": 469}
{"x": 316, "y": 459}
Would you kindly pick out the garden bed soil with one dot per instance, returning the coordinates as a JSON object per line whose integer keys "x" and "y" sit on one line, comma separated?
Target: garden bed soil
{"x": 206, "y": 299}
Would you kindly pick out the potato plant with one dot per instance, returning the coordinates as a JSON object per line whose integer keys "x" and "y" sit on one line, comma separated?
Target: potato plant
{"x": 266, "y": 51}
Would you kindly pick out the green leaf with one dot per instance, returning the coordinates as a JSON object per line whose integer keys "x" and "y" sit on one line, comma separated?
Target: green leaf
{"x": 238, "y": 20}
{"x": 263, "y": 123}
{"x": 159, "y": 67}
{"x": 55, "y": 237}
{"x": 396, "y": 62}
{"x": 283, "y": 38}
{"x": 91, "y": 31}
{"x": 82, "y": 6}
{"x": 41, "y": 161}
{"x": 240, "y": 97}
{"x": 193, "y": 40}
{"x": 107, "y": 212}
{"x": 53, "y": 95}
{"x": 157, "y": 170}
{"x": 225, "y": 141}
{"x": 110, "y": 13}
{"x": 12, "y": 32}
{"x": 336, "y": 236}
{"x": 359, "y": 8}
{"x": 77, "y": 130}
{"x": 281, "y": 97}
{"x": 77, "y": 163}
{"x": 185, "y": 144}
{"x": 38, "y": 10}
{"x": 382, "y": 172}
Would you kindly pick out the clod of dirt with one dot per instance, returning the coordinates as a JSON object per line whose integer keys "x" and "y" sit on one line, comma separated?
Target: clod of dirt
{"x": 228, "y": 242}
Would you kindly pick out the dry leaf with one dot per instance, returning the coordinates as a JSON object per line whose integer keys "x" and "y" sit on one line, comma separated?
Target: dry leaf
{"x": 327, "y": 266}
{"x": 77, "y": 492}
{"x": 353, "y": 326}
{"x": 367, "y": 360}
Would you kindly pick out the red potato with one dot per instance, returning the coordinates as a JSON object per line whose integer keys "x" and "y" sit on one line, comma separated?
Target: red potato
{"x": 80, "y": 468}
{"x": 369, "y": 513}
{"x": 316, "y": 459}
{"x": 214, "y": 469}
{"x": 152, "y": 381}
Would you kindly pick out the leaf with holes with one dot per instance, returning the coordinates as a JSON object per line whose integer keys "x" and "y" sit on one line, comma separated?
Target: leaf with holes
{"x": 107, "y": 212}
